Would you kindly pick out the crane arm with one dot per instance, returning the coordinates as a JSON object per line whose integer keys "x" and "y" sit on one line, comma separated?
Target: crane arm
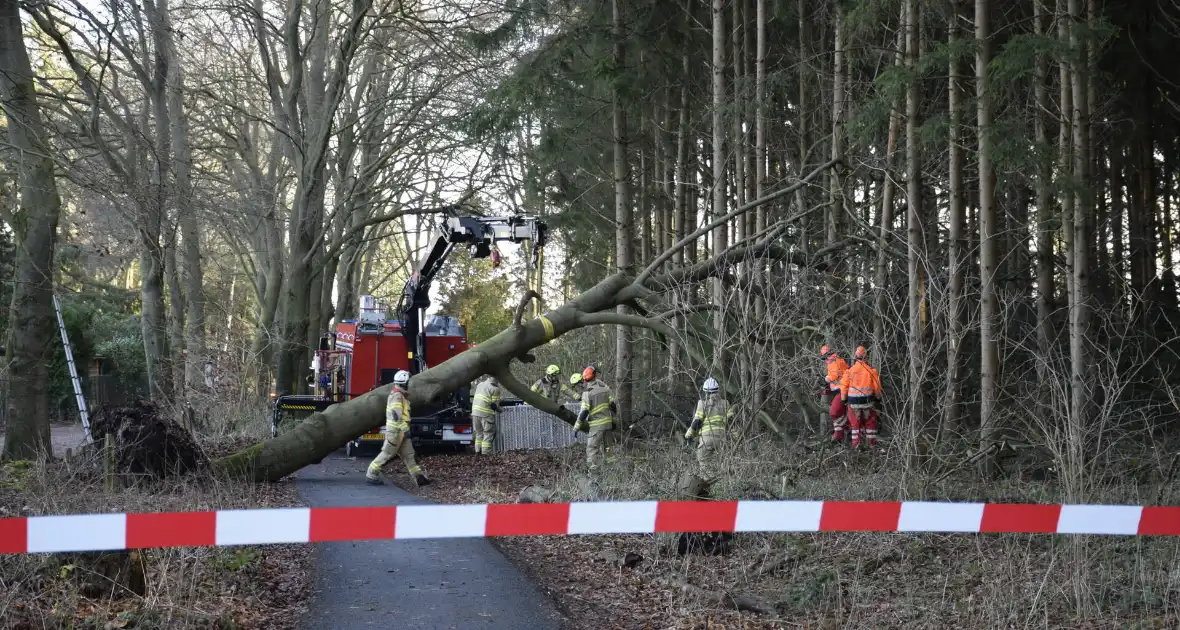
{"x": 479, "y": 234}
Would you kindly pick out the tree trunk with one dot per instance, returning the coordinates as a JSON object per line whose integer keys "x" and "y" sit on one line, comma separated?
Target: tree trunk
{"x": 760, "y": 169}
{"x": 190, "y": 233}
{"x": 1079, "y": 307}
{"x": 956, "y": 321}
{"x": 835, "y": 213}
{"x": 31, "y": 324}
{"x": 887, "y": 194}
{"x": 988, "y": 254}
{"x": 151, "y": 223}
{"x": 176, "y": 309}
{"x": 914, "y": 228}
{"x": 624, "y": 232}
{"x": 720, "y": 235}
{"x": 1045, "y": 225}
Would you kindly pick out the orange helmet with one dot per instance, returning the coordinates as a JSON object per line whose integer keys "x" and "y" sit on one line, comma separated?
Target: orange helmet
{"x": 861, "y": 352}
{"x": 824, "y": 351}
{"x": 589, "y": 373}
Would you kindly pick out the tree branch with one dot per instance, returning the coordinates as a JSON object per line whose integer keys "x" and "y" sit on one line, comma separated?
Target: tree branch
{"x": 704, "y": 229}
{"x": 521, "y": 391}
{"x": 529, "y": 296}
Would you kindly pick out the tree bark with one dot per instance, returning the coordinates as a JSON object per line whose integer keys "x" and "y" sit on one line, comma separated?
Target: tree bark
{"x": 956, "y": 321}
{"x": 988, "y": 255}
{"x": 1080, "y": 293}
{"x": 624, "y": 228}
{"x": 1046, "y": 291}
{"x": 31, "y": 324}
{"x": 914, "y": 228}
{"x": 720, "y": 159}
{"x": 888, "y": 189}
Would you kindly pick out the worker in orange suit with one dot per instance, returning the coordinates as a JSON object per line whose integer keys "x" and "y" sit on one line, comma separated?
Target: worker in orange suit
{"x": 837, "y": 366}
{"x": 860, "y": 390}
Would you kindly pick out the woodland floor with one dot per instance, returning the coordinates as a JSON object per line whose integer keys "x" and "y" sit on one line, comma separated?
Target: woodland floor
{"x": 867, "y": 580}
{"x": 204, "y": 587}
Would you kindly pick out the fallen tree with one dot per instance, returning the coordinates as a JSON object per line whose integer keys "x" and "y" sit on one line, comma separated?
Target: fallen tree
{"x": 322, "y": 433}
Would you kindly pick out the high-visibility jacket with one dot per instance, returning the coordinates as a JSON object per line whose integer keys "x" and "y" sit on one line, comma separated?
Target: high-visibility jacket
{"x": 837, "y": 366}
{"x": 552, "y": 390}
{"x": 860, "y": 383}
{"x": 486, "y": 400}
{"x": 397, "y": 411}
{"x": 712, "y": 416}
{"x": 596, "y": 402}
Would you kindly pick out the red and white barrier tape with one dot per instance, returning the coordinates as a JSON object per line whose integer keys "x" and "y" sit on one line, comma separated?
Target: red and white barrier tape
{"x": 94, "y": 532}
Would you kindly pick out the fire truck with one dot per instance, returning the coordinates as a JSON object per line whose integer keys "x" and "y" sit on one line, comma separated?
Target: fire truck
{"x": 362, "y": 354}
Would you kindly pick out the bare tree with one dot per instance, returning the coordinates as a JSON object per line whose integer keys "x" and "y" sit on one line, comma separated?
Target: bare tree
{"x": 988, "y": 235}
{"x": 34, "y": 222}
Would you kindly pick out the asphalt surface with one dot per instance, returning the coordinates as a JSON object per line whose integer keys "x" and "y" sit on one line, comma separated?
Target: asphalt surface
{"x": 62, "y": 436}
{"x": 428, "y": 584}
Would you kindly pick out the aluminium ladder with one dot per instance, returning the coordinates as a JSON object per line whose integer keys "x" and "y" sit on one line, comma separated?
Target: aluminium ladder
{"x": 81, "y": 400}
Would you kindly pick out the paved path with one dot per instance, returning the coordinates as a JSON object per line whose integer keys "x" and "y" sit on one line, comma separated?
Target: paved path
{"x": 62, "y": 436}
{"x": 429, "y": 584}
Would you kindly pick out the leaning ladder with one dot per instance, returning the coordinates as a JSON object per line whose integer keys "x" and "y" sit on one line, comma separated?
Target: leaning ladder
{"x": 65, "y": 341}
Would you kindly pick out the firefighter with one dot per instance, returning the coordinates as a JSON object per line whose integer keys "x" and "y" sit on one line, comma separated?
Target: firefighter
{"x": 709, "y": 423}
{"x": 596, "y": 417}
{"x": 397, "y": 426}
{"x": 577, "y": 386}
{"x": 831, "y": 392}
{"x": 485, "y": 406}
{"x": 860, "y": 390}
{"x": 551, "y": 387}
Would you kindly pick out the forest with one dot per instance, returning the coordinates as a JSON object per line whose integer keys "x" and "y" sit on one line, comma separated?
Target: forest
{"x": 990, "y": 210}
{"x": 983, "y": 194}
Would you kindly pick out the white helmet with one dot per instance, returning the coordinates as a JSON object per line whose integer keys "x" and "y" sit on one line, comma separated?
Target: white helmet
{"x": 401, "y": 378}
{"x": 710, "y": 385}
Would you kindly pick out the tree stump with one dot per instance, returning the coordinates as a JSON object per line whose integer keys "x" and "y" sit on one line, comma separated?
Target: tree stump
{"x": 536, "y": 494}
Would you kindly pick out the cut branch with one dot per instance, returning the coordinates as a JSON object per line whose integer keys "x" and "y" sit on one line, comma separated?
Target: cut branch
{"x": 529, "y": 296}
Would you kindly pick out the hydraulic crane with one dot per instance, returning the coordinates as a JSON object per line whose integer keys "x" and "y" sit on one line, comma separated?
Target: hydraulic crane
{"x": 369, "y": 350}
{"x": 480, "y": 235}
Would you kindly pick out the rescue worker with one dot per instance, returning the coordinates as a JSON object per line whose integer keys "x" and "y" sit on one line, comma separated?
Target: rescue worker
{"x": 596, "y": 417}
{"x": 551, "y": 387}
{"x": 712, "y": 416}
{"x": 860, "y": 389}
{"x": 485, "y": 407}
{"x": 577, "y": 386}
{"x": 397, "y": 428}
{"x": 831, "y": 392}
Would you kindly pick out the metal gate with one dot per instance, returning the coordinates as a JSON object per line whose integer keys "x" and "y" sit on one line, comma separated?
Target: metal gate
{"x": 524, "y": 427}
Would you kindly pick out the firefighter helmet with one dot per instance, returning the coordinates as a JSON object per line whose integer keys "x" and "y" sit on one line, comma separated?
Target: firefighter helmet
{"x": 401, "y": 378}
{"x": 589, "y": 373}
{"x": 575, "y": 378}
{"x": 552, "y": 370}
{"x": 861, "y": 352}
{"x": 710, "y": 385}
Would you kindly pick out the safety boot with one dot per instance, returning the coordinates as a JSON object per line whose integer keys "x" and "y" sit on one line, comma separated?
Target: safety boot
{"x": 421, "y": 480}
{"x": 374, "y": 481}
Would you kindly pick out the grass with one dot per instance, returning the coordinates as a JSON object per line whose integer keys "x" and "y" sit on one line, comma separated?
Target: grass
{"x": 831, "y": 580}
{"x": 208, "y": 587}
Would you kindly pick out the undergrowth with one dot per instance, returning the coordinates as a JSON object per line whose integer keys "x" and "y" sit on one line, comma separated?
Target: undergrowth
{"x": 844, "y": 580}
{"x": 202, "y": 587}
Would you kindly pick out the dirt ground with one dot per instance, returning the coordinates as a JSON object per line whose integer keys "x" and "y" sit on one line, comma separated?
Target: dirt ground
{"x": 813, "y": 580}
{"x": 209, "y": 587}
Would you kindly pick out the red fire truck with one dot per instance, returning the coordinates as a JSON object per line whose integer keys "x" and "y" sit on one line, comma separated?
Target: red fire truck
{"x": 364, "y": 353}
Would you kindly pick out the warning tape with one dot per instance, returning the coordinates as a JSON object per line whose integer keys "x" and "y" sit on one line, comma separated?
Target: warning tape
{"x": 100, "y": 532}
